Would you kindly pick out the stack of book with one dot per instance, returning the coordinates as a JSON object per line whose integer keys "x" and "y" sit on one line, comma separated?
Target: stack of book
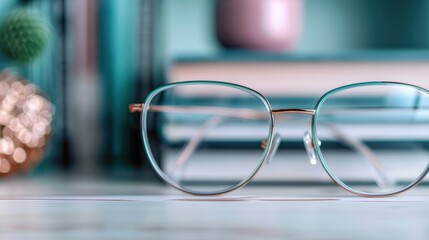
{"x": 304, "y": 74}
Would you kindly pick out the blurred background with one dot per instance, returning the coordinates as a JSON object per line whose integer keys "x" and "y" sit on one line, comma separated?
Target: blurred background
{"x": 98, "y": 56}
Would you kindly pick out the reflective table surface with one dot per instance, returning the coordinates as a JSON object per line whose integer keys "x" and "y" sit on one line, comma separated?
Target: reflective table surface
{"x": 58, "y": 208}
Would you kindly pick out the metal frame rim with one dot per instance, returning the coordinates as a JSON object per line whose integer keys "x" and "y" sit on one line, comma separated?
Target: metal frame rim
{"x": 319, "y": 154}
{"x": 160, "y": 173}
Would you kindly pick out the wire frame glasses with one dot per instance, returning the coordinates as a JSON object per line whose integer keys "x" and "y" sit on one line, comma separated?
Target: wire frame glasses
{"x": 371, "y": 138}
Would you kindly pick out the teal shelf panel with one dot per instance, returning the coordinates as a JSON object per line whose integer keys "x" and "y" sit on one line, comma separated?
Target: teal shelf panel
{"x": 249, "y": 56}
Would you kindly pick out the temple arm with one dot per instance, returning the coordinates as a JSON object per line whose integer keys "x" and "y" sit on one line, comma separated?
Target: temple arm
{"x": 188, "y": 149}
{"x": 210, "y": 110}
{"x": 374, "y": 164}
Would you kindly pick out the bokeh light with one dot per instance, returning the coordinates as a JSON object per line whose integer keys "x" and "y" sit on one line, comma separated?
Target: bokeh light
{"x": 25, "y": 124}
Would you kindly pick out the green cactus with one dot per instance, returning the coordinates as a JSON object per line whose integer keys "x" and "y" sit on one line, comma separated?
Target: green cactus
{"x": 24, "y": 35}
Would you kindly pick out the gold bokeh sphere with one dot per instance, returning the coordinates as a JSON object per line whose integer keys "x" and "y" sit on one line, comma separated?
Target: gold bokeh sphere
{"x": 25, "y": 124}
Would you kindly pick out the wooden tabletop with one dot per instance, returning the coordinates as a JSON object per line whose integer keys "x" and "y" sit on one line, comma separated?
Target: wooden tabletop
{"x": 57, "y": 208}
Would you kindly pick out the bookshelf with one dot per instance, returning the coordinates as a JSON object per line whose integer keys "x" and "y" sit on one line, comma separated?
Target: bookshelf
{"x": 334, "y": 34}
{"x": 328, "y": 26}
{"x": 342, "y": 42}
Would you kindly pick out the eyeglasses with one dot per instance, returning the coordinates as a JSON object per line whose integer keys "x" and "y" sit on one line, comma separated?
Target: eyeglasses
{"x": 208, "y": 137}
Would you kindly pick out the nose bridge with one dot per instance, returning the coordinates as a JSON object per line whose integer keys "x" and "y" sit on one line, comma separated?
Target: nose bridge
{"x": 308, "y": 138}
{"x": 293, "y": 111}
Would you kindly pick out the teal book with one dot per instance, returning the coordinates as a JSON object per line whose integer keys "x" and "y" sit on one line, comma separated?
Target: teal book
{"x": 118, "y": 54}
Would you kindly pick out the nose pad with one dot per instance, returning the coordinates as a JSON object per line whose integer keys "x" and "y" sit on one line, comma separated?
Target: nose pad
{"x": 276, "y": 143}
{"x": 308, "y": 143}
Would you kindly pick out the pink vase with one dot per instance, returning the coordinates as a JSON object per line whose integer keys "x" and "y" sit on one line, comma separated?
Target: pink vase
{"x": 270, "y": 25}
